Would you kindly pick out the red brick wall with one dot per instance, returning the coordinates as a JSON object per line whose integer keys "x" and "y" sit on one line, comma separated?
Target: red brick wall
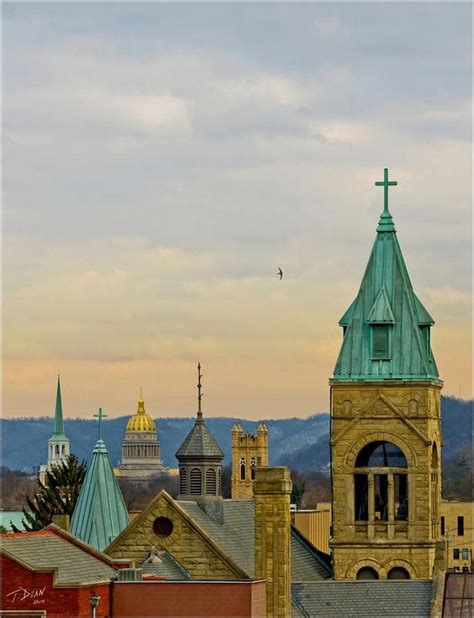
{"x": 35, "y": 591}
{"x": 144, "y": 599}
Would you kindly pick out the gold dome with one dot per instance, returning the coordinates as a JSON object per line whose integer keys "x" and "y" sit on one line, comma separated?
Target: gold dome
{"x": 141, "y": 422}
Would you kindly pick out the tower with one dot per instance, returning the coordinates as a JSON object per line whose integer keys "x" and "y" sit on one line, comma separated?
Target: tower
{"x": 100, "y": 513}
{"x": 58, "y": 444}
{"x": 385, "y": 425}
{"x": 140, "y": 447}
{"x": 249, "y": 452}
{"x": 199, "y": 459}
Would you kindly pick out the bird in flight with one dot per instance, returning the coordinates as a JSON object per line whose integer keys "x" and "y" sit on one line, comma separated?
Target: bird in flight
{"x": 280, "y": 273}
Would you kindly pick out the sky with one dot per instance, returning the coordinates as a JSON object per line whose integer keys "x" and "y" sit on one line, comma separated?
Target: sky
{"x": 161, "y": 161}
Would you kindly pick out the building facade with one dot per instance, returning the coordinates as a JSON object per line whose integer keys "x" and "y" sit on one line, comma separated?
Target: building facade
{"x": 385, "y": 425}
{"x": 58, "y": 444}
{"x": 141, "y": 458}
{"x": 249, "y": 452}
{"x": 456, "y": 528}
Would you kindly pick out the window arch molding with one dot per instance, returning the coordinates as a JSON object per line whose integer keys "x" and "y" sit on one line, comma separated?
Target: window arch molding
{"x": 401, "y": 564}
{"x": 370, "y": 563}
{"x": 358, "y": 444}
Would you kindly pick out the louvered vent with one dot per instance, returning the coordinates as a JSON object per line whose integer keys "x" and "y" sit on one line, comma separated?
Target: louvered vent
{"x": 195, "y": 482}
{"x": 211, "y": 482}
{"x": 182, "y": 481}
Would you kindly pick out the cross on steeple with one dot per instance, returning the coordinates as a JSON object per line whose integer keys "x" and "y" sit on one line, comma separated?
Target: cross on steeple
{"x": 385, "y": 183}
{"x": 100, "y": 416}
{"x": 199, "y": 387}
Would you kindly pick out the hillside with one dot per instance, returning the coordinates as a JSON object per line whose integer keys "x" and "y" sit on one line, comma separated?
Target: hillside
{"x": 299, "y": 443}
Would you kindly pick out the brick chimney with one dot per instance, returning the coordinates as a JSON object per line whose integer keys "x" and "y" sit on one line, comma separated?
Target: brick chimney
{"x": 272, "y": 491}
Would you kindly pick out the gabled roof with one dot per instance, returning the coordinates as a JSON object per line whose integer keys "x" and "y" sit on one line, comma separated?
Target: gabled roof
{"x": 163, "y": 564}
{"x": 100, "y": 513}
{"x": 386, "y": 296}
{"x": 52, "y": 550}
{"x": 200, "y": 443}
{"x": 381, "y": 312}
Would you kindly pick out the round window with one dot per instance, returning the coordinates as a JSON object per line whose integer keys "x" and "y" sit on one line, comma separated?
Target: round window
{"x": 162, "y": 526}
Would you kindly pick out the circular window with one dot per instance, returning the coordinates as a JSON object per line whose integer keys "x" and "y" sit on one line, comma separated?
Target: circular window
{"x": 162, "y": 526}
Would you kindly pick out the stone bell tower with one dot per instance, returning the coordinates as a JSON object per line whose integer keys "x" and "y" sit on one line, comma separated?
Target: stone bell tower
{"x": 249, "y": 452}
{"x": 385, "y": 425}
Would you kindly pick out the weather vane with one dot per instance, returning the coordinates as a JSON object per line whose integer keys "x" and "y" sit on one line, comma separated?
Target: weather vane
{"x": 199, "y": 387}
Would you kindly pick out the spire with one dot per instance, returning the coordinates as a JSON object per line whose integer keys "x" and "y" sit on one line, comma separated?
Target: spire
{"x": 100, "y": 514}
{"x": 386, "y": 328}
{"x": 199, "y": 443}
{"x": 199, "y": 387}
{"x": 58, "y": 428}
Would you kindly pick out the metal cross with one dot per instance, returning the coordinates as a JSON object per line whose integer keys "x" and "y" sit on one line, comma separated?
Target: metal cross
{"x": 100, "y": 416}
{"x": 385, "y": 183}
{"x": 199, "y": 386}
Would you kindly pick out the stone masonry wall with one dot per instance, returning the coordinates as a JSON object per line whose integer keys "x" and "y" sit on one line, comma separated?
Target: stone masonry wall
{"x": 272, "y": 537}
{"x": 406, "y": 414}
{"x": 184, "y": 543}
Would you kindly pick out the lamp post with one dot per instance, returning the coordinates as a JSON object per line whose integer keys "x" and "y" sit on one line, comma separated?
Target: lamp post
{"x": 94, "y": 603}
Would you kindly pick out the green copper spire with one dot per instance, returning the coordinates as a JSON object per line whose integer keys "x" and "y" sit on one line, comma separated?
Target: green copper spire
{"x": 100, "y": 514}
{"x": 386, "y": 328}
{"x": 58, "y": 429}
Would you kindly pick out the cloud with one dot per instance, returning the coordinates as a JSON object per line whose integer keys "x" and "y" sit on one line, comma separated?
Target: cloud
{"x": 158, "y": 170}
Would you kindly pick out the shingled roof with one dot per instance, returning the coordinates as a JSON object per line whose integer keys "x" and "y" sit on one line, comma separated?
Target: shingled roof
{"x": 359, "y": 599}
{"x": 52, "y": 550}
{"x": 236, "y": 538}
{"x": 199, "y": 443}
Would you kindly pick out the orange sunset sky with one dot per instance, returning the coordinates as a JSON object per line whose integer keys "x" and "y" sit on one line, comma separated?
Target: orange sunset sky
{"x": 162, "y": 161}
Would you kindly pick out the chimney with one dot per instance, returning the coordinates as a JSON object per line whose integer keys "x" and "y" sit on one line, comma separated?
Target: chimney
{"x": 272, "y": 491}
{"x": 62, "y": 521}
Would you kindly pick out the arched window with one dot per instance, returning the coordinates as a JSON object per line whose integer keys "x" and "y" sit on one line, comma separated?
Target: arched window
{"x": 195, "y": 487}
{"x": 242, "y": 469}
{"x": 367, "y": 573}
{"x": 398, "y": 573}
{"x": 219, "y": 482}
{"x": 182, "y": 481}
{"x": 381, "y": 454}
{"x": 253, "y": 465}
{"x": 56, "y": 449}
{"x": 211, "y": 482}
{"x": 63, "y": 449}
{"x": 381, "y": 483}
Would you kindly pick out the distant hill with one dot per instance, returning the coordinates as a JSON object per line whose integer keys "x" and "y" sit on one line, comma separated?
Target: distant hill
{"x": 299, "y": 443}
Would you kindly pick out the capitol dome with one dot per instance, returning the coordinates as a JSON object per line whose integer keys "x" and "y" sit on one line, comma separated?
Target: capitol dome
{"x": 141, "y": 422}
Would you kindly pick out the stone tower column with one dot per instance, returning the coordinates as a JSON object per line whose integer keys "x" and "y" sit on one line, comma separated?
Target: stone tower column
{"x": 262, "y": 445}
{"x": 272, "y": 491}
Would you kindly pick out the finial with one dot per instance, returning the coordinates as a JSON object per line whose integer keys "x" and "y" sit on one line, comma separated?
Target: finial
{"x": 141, "y": 403}
{"x": 100, "y": 416}
{"x": 386, "y": 221}
{"x": 199, "y": 387}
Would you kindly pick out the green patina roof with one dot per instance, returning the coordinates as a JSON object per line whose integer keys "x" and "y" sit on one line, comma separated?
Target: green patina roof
{"x": 100, "y": 514}
{"x": 386, "y": 298}
{"x": 58, "y": 428}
